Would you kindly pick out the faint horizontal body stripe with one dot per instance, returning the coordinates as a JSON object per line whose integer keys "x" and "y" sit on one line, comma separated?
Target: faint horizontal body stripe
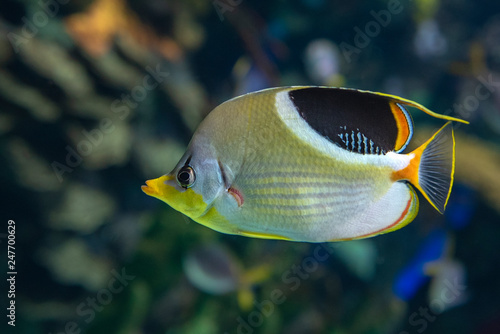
{"x": 310, "y": 209}
{"x": 297, "y": 202}
{"x": 316, "y": 179}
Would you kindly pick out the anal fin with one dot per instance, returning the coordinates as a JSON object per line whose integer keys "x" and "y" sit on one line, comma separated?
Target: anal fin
{"x": 396, "y": 209}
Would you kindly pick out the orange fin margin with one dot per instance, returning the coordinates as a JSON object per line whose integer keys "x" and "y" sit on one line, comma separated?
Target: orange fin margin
{"x": 404, "y": 123}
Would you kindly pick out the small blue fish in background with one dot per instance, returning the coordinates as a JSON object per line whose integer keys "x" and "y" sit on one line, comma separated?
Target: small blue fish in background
{"x": 413, "y": 276}
{"x": 215, "y": 270}
{"x": 432, "y": 262}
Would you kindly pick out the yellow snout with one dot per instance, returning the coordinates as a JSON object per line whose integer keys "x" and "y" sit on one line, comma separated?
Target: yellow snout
{"x": 186, "y": 201}
{"x": 155, "y": 188}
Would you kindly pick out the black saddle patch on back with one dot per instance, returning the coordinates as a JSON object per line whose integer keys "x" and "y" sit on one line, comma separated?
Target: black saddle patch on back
{"x": 356, "y": 121}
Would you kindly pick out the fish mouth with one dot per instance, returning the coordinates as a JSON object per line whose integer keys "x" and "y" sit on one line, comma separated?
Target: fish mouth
{"x": 156, "y": 187}
{"x": 150, "y": 188}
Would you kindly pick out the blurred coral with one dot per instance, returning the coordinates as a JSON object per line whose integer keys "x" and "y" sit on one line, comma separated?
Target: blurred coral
{"x": 71, "y": 263}
{"x": 104, "y": 20}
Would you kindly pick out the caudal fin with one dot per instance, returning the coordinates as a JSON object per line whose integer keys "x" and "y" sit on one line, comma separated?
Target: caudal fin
{"x": 432, "y": 167}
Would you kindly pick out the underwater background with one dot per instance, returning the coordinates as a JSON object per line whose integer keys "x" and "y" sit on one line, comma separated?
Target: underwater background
{"x": 98, "y": 96}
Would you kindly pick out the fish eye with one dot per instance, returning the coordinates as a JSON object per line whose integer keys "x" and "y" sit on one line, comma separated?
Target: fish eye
{"x": 186, "y": 177}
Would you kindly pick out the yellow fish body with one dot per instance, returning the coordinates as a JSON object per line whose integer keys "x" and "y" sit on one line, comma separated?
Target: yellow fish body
{"x": 309, "y": 164}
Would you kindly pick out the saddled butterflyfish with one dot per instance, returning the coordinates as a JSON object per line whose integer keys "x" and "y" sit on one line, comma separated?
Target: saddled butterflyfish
{"x": 309, "y": 164}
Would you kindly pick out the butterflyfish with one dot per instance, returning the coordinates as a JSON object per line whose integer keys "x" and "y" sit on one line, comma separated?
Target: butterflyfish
{"x": 311, "y": 164}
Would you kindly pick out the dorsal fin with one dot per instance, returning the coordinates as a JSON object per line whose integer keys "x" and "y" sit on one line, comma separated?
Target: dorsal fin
{"x": 358, "y": 121}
